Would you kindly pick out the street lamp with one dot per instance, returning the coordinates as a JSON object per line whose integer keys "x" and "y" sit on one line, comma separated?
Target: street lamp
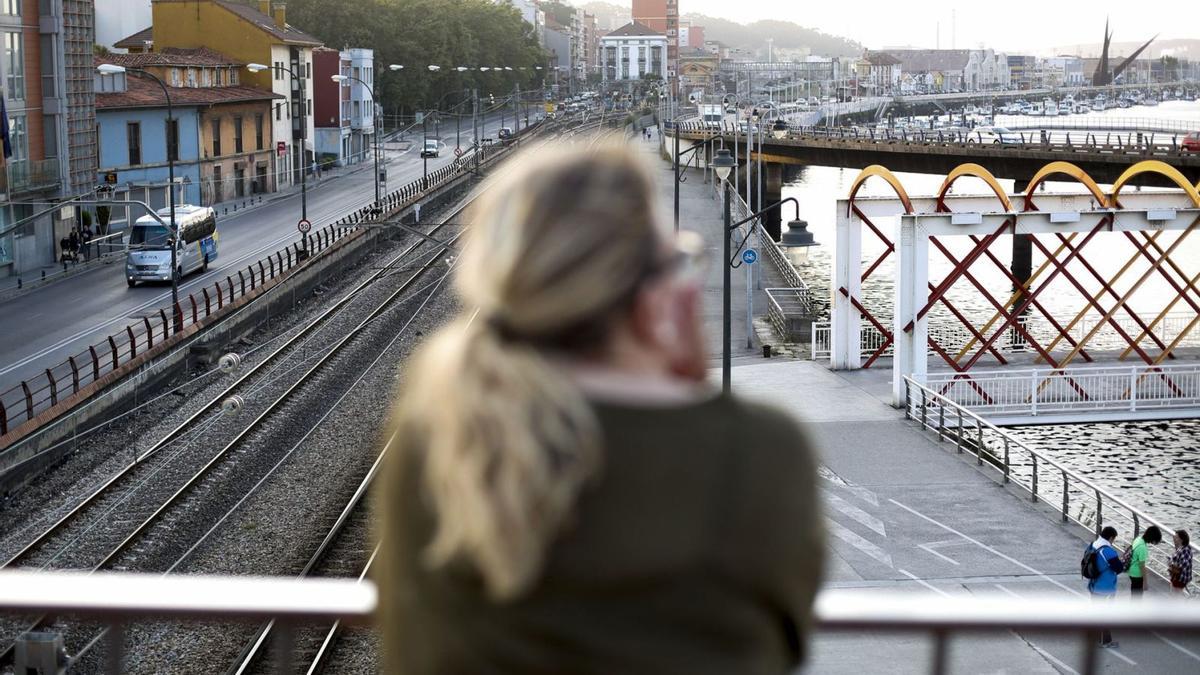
{"x": 434, "y": 68}
{"x": 679, "y": 177}
{"x": 797, "y": 240}
{"x": 350, "y": 78}
{"x": 258, "y": 68}
{"x": 172, "y": 138}
{"x": 395, "y": 67}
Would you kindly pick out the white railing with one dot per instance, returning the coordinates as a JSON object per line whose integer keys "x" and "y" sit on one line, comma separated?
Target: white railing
{"x": 120, "y": 599}
{"x": 1075, "y": 498}
{"x": 786, "y": 307}
{"x": 1043, "y": 391}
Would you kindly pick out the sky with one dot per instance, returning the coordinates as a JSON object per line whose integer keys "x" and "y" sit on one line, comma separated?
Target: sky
{"x": 1025, "y": 25}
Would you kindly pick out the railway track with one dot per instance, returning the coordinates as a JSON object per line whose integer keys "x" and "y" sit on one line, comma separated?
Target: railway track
{"x": 137, "y": 519}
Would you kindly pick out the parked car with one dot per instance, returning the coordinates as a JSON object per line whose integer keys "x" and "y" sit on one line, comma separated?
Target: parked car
{"x": 995, "y": 135}
{"x": 1191, "y": 142}
{"x": 430, "y": 149}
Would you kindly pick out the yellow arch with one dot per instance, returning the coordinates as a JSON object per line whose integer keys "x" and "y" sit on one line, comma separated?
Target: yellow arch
{"x": 1067, "y": 169}
{"x": 884, "y": 173}
{"x": 1154, "y": 166}
{"x": 971, "y": 169}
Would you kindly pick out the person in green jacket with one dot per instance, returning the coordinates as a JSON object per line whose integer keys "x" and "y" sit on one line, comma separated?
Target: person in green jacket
{"x": 1137, "y": 555}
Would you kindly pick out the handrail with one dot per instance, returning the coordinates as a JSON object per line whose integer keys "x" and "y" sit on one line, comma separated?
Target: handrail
{"x": 964, "y": 424}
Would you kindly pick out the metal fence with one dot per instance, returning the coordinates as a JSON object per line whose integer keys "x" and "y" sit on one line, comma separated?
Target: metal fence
{"x": 1040, "y": 391}
{"x": 1075, "y": 498}
{"x": 1106, "y": 123}
{"x": 123, "y": 599}
{"x": 22, "y": 403}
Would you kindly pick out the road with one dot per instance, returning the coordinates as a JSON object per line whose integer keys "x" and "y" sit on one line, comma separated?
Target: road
{"x": 45, "y": 326}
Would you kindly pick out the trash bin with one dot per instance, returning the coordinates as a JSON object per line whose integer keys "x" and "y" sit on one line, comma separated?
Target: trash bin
{"x": 766, "y": 351}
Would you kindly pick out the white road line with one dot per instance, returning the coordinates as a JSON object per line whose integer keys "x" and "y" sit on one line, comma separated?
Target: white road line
{"x": 1048, "y": 656}
{"x": 1177, "y": 646}
{"x": 927, "y": 549}
{"x": 924, "y": 583}
{"x": 987, "y": 548}
{"x": 859, "y": 543}
{"x": 1010, "y": 592}
{"x": 846, "y": 508}
{"x": 1119, "y": 655}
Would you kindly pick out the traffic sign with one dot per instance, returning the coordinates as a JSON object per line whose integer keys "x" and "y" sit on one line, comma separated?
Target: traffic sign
{"x": 110, "y": 178}
{"x": 458, "y": 152}
{"x": 304, "y": 226}
{"x": 749, "y": 256}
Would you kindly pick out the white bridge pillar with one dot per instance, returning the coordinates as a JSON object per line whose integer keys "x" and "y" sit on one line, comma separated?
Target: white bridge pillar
{"x": 912, "y": 292}
{"x": 845, "y": 321}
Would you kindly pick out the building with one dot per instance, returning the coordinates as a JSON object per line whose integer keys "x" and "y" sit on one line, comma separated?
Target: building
{"x": 1063, "y": 71}
{"x": 220, "y": 140}
{"x": 532, "y": 14}
{"x": 1024, "y": 71}
{"x": 940, "y": 70}
{"x": 251, "y": 34}
{"x": 634, "y": 52}
{"x": 661, "y": 16}
{"x": 559, "y": 49}
{"x": 344, "y": 120}
{"x": 591, "y": 45}
{"x": 695, "y": 38}
{"x": 699, "y": 71}
{"x": 49, "y": 97}
{"x": 878, "y": 74}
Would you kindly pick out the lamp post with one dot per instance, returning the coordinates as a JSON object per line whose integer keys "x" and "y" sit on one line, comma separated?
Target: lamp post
{"x": 350, "y": 78}
{"x": 258, "y": 68}
{"x": 679, "y": 177}
{"x": 172, "y": 150}
{"x": 796, "y": 237}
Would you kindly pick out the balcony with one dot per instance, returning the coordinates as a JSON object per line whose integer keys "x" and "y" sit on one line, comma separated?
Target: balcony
{"x": 27, "y": 176}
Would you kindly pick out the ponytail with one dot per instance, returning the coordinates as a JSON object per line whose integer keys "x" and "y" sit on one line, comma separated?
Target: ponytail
{"x": 508, "y": 442}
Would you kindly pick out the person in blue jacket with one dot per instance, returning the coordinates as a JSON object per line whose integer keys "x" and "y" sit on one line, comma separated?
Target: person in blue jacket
{"x": 1108, "y": 562}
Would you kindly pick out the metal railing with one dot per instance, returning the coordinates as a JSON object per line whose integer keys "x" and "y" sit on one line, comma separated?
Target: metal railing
{"x": 1042, "y": 391}
{"x": 1075, "y": 498}
{"x": 23, "y": 403}
{"x": 787, "y": 308}
{"x": 29, "y": 175}
{"x": 123, "y": 599}
{"x": 1104, "y": 123}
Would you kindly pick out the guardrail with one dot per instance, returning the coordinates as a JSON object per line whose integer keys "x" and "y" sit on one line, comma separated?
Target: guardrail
{"x": 787, "y": 310}
{"x": 1103, "y": 123}
{"x": 22, "y": 403}
{"x": 120, "y": 599}
{"x": 1149, "y": 145}
{"x": 1074, "y": 497}
{"x": 1041, "y": 391}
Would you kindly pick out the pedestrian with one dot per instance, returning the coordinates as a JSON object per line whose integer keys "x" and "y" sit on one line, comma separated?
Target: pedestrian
{"x": 64, "y": 246}
{"x": 85, "y": 241}
{"x": 1135, "y": 557}
{"x": 1107, "y": 561}
{"x": 1180, "y": 567}
{"x": 73, "y": 242}
{"x": 565, "y": 492}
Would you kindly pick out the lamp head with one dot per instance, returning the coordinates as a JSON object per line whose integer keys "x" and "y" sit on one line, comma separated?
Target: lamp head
{"x": 338, "y": 78}
{"x": 109, "y": 69}
{"x": 256, "y": 67}
{"x": 484, "y": 69}
{"x": 395, "y": 66}
{"x": 797, "y": 239}
{"x": 434, "y": 68}
{"x": 779, "y": 129}
{"x": 723, "y": 164}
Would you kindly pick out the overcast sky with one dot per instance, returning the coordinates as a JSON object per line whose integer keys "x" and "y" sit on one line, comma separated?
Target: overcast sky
{"x": 1015, "y": 25}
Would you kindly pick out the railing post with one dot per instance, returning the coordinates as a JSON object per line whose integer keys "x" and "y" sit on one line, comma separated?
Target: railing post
{"x": 3, "y": 419}
{"x": 1099, "y": 511}
{"x": 74, "y": 375}
{"x": 242, "y": 278}
{"x": 150, "y": 332}
{"x": 1006, "y": 461}
{"x": 938, "y": 659}
{"x": 1033, "y": 481}
{"x": 924, "y": 407}
{"x": 53, "y": 387}
{"x": 112, "y": 345}
{"x": 207, "y": 302}
{"x": 132, "y": 342}
{"x": 1137, "y": 526}
{"x": 28, "y": 399}
{"x": 958, "y": 437}
{"x": 941, "y": 420}
{"x": 1033, "y": 386}
{"x": 1133, "y": 388}
{"x": 195, "y": 309}
{"x": 1066, "y": 497}
{"x": 979, "y": 447}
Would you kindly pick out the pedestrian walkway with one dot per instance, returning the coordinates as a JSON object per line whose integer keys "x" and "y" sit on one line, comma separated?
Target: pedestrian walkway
{"x": 905, "y": 512}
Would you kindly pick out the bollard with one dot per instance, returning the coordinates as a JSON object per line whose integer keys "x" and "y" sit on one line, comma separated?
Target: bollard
{"x": 19, "y": 283}
{"x": 766, "y": 351}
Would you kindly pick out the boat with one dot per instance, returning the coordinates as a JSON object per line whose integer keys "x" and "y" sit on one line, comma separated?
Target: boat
{"x": 1082, "y": 108}
{"x": 1100, "y": 103}
{"x": 1050, "y": 108}
{"x": 1150, "y": 101}
{"x": 1037, "y": 109}
{"x": 1124, "y": 103}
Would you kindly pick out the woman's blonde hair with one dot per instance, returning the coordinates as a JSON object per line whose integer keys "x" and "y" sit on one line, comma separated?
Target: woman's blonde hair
{"x": 557, "y": 249}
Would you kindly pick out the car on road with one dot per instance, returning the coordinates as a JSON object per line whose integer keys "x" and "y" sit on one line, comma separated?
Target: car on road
{"x": 1191, "y": 142}
{"x": 994, "y": 135}
{"x": 430, "y": 149}
{"x": 505, "y": 133}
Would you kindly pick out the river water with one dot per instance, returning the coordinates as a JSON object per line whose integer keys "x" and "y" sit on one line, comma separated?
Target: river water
{"x": 1155, "y": 466}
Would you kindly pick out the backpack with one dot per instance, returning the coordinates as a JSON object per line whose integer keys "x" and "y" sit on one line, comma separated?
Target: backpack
{"x": 1089, "y": 567}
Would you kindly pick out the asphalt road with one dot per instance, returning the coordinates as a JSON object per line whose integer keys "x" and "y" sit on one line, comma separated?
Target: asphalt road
{"x": 42, "y": 328}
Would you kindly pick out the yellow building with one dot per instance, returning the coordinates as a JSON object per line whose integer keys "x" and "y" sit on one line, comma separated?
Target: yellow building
{"x": 249, "y": 32}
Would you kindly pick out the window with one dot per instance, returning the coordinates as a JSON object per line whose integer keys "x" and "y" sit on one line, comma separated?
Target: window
{"x": 279, "y": 70}
{"x": 133, "y": 137}
{"x": 191, "y": 77}
{"x": 216, "y": 136}
{"x": 220, "y": 77}
{"x": 278, "y": 111}
{"x": 258, "y": 131}
{"x": 206, "y": 77}
{"x": 173, "y": 140}
{"x": 174, "y": 77}
{"x": 357, "y": 110}
{"x": 308, "y": 70}
{"x": 308, "y": 106}
{"x": 14, "y": 66}
{"x": 11, "y": 7}
{"x": 237, "y": 134}
{"x": 17, "y": 138}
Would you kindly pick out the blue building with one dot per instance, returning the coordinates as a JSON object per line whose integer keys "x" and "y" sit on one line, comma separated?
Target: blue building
{"x": 220, "y": 141}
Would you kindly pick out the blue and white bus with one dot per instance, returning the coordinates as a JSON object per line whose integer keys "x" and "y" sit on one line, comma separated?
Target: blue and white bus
{"x": 148, "y": 257}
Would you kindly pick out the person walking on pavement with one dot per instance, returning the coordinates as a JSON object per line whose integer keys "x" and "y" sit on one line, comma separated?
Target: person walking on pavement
{"x": 1135, "y": 559}
{"x": 85, "y": 241}
{"x": 73, "y": 242}
{"x": 1108, "y": 564}
{"x": 1180, "y": 566}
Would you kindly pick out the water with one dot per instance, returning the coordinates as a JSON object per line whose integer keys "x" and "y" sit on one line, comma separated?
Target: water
{"x": 1154, "y": 466}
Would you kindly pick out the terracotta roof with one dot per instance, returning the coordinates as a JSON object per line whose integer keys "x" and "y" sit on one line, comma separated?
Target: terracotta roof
{"x": 136, "y": 41}
{"x": 633, "y": 29}
{"x": 145, "y": 93}
{"x": 172, "y": 56}
{"x": 288, "y": 34}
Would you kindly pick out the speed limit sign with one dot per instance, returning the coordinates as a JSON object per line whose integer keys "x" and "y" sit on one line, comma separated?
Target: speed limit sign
{"x": 304, "y": 226}
{"x": 458, "y": 152}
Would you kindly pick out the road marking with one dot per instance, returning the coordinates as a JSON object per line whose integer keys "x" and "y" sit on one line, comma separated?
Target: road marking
{"x": 1010, "y": 592}
{"x": 928, "y": 549}
{"x": 987, "y": 548}
{"x": 1047, "y": 655}
{"x": 859, "y": 543}
{"x": 924, "y": 583}
{"x": 1177, "y": 646}
{"x": 846, "y": 508}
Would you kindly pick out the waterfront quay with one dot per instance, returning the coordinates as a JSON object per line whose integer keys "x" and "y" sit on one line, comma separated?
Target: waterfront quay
{"x": 908, "y": 513}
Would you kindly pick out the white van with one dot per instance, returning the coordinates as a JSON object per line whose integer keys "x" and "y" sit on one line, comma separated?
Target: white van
{"x": 148, "y": 256}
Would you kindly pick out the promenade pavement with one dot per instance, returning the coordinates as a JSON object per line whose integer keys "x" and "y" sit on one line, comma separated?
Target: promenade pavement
{"x": 907, "y": 513}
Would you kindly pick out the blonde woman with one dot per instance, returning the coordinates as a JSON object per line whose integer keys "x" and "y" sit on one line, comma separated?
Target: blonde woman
{"x": 568, "y": 494}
